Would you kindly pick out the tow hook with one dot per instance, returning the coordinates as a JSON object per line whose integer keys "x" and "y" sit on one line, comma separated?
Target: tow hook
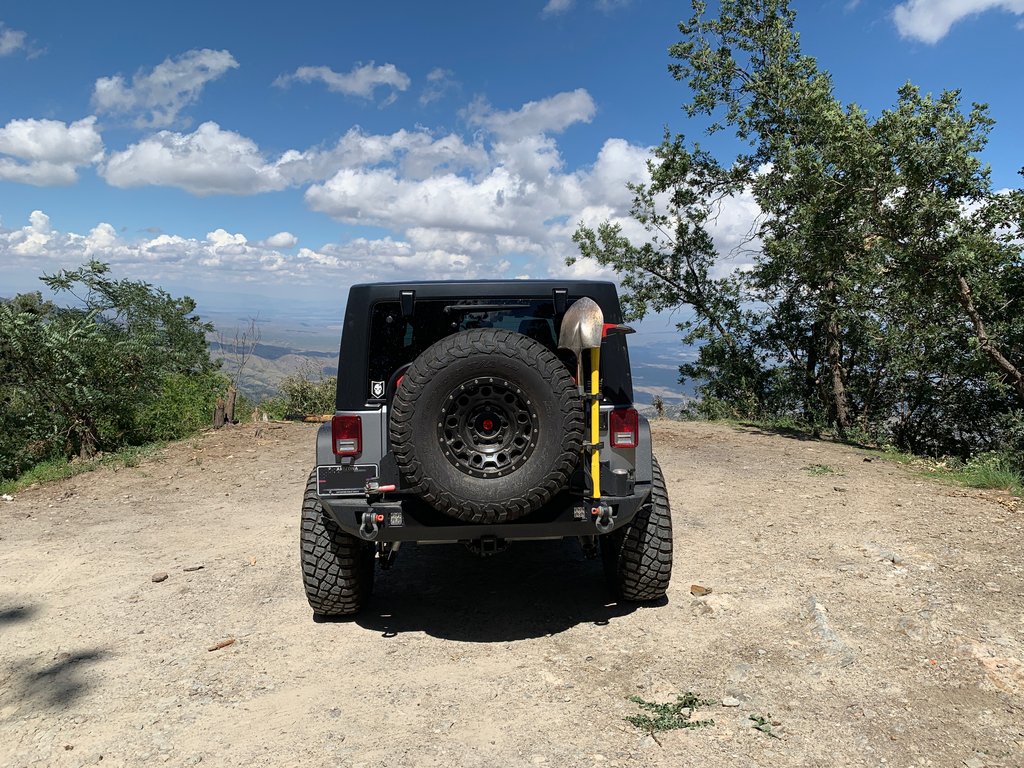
{"x": 603, "y": 519}
{"x": 370, "y": 528}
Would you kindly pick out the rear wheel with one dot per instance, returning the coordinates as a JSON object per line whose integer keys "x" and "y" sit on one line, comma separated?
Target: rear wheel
{"x": 638, "y": 557}
{"x": 337, "y": 569}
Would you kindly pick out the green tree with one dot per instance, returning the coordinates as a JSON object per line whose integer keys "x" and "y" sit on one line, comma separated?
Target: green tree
{"x": 80, "y": 378}
{"x": 884, "y": 289}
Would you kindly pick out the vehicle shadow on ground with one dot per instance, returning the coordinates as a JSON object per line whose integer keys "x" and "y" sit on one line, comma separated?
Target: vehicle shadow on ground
{"x": 532, "y": 590}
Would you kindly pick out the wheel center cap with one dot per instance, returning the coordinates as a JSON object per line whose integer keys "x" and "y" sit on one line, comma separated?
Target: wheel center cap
{"x": 486, "y": 425}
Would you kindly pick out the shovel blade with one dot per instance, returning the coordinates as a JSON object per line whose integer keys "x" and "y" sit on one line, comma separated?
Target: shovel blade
{"x": 582, "y": 326}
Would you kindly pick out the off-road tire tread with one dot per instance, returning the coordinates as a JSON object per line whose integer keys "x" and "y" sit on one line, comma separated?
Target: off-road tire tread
{"x": 643, "y": 567}
{"x": 337, "y": 569}
{"x": 486, "y": 341}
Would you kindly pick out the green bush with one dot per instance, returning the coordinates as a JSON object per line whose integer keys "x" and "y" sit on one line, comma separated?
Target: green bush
{"x": 276, "y": 408}
{"x": 184, "y": 405}
{"x": 308, "y": 392}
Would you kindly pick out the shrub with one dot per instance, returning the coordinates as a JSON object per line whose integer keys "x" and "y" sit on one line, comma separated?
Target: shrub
{"x": 184, "y": 405}
{"x": 308, "y": 392}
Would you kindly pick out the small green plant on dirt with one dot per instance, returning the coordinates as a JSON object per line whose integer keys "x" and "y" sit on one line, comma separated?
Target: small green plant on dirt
{"x": 822, "y": 469}
{"x": 764, "y": 725}
{"x": 671, "y": 715}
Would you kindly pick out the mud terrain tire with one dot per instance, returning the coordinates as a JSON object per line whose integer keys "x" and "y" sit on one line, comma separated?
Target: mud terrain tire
{"x": 337, "y": 569}
{"x": 487, "y": 425}
{"x": 638, "y": 557}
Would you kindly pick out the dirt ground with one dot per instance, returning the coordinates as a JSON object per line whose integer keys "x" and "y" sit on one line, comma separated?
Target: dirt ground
{"x": 870, "y": 617}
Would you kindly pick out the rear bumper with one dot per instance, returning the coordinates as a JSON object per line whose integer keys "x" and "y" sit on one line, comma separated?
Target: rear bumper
{"x": 410, "y": 519}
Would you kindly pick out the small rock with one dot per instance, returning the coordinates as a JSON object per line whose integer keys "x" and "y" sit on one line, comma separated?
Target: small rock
{"x": 156, "y": 578}
{"x": 991, "y": 586}
{"x": 193, "y": 568}
{"x": 698, "y": 590}
{"x": 974, "y": 762}
{"x": 730, "y": 701}
{"x": 6, "y": 497}
{"x": 840, "y": 488}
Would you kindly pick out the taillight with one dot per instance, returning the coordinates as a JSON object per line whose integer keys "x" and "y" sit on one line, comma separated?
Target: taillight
{"x": 347, "y": 435}
{"x": 624, "y": 428}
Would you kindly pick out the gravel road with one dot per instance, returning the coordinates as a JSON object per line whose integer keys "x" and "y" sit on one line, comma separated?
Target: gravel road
{"x": 867, "y": 616}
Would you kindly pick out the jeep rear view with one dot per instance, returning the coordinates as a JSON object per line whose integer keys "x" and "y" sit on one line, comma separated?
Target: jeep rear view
{"x": 481, "y": 413}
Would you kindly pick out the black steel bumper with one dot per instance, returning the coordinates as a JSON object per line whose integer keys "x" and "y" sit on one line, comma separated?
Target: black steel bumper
{"x": 410, "y": 519}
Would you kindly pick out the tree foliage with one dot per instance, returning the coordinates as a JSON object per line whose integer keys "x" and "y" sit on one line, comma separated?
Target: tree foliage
{"x": 123, "y": 364}
{"x": 881, "y": 288}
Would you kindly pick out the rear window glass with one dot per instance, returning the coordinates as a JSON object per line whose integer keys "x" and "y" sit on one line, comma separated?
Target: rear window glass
{"x": 395, "y": 341}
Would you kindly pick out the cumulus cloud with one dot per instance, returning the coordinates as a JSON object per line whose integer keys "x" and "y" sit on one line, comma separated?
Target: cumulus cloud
{"x": 232, "y": 256}
{"x": 281, "y": 240}
{"x": 930, "y": 20}
{"x": 551, "y": 115}
{"x": 449, "y": 205}
{"x": 363, "y": 80}
{"x": 212, "y": 160}
{"x": 525, "y": 204}
{"x": 208, "y": 161}
{"x": 48, "y": 152}
{"x": 11, "y": 40}
{"x": 159, "y": 96}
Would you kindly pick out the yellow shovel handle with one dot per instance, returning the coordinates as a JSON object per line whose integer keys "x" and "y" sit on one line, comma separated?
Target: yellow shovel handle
{"x": 595, "y": 426}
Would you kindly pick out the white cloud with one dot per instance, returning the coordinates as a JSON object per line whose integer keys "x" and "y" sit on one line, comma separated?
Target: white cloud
{"x": 503, "y": 203}
{"x": 361, "y": 81}
{"x": 930, "y": 20}
{"x": 212, "y": 160}
{"x": 170, "y": 259}
{"x": 281, "y": 240}
{"x": 525, "y": 204}
{"x": 48, "y": 152}
{"x": 161, "y": 94}
{"x": 208, "y": 161}
{"x": 11, "y": 40}
{"x": 551, "y": 115}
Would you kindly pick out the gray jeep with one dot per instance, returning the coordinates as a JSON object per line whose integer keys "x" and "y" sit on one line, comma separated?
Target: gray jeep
{"x": 483, "y": 412}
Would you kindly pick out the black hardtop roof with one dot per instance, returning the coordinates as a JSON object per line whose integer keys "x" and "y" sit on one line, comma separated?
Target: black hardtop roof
{"x": 444, "y": 289}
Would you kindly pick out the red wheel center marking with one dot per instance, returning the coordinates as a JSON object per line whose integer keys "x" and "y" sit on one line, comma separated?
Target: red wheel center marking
{"x": 488, "y": 425}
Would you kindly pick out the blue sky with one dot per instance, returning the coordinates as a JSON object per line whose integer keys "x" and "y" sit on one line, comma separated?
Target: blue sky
{"x": 255, "y": 155}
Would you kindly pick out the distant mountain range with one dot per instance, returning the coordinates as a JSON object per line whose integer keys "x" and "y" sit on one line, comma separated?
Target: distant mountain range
{"x": 655, "y": 369}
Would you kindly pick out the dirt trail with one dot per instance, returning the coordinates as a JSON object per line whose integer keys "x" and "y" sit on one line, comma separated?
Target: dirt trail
{"x": 876, "y": 617}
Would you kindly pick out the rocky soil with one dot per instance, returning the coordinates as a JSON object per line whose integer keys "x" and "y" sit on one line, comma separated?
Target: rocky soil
{"x": 864, "y": 615}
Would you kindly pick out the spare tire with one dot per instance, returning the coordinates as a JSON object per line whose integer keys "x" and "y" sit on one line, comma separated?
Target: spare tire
{"x": 486, "y": 425}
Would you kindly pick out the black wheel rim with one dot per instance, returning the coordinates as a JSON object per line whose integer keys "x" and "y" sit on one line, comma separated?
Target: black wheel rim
{"x": 488, "y": 427}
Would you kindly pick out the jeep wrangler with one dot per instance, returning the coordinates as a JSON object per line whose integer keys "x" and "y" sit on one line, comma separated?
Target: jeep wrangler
{"x": 483, "y": 412}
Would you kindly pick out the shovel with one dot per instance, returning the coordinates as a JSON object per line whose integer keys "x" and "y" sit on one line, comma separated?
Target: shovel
{"x": 582, "y": 329}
